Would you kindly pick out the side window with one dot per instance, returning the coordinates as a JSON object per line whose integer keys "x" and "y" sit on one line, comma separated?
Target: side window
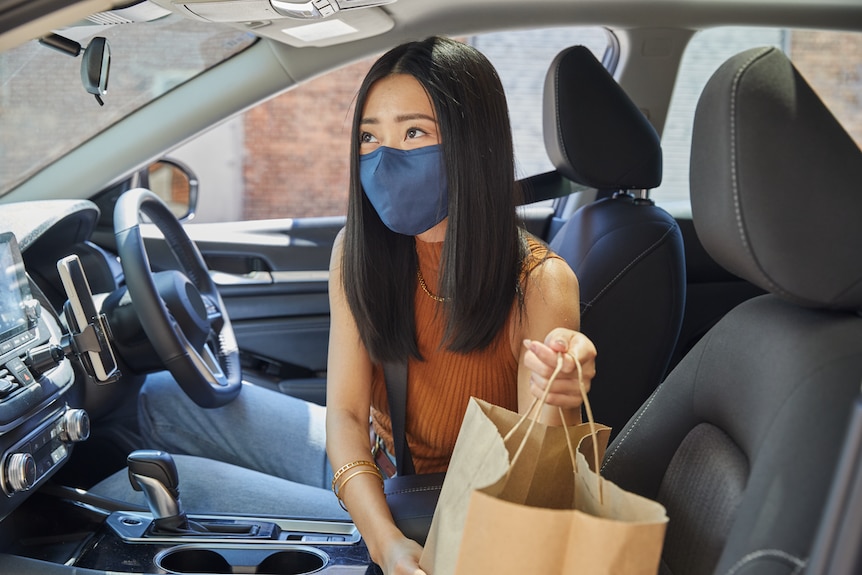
{"x": 834, "y": 74}
{"x": 289, "y": 156}
{"x": 285, "y": 158}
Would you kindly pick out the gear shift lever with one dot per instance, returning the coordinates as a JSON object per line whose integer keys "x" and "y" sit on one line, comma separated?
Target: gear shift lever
{"x": 155, "y": 473}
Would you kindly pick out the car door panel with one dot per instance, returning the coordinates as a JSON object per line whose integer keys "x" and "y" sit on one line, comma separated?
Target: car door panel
{"x": 273, "y": 278}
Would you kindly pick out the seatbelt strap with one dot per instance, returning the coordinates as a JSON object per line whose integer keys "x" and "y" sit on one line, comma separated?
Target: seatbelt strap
{"x": 395, "y": 374}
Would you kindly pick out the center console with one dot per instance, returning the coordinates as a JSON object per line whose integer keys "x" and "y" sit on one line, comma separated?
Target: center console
{"x": 171, "y": 541}
{"x": 126, "y": 544}
{"x": 78, "y": 535}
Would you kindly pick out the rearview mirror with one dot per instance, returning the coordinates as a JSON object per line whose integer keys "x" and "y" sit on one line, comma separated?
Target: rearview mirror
{"x": 95, "y": 66}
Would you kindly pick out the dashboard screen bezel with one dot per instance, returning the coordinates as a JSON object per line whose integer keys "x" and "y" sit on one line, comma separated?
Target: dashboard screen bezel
{"x": 14, "y": 292}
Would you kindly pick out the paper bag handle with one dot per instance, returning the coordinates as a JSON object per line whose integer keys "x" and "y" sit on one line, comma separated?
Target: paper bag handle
{"x": 541, "y": 403}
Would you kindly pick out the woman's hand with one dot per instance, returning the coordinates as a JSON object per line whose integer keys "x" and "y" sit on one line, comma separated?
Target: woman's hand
{"x": 402, "y": 558}
{"x": 541, "y": 359}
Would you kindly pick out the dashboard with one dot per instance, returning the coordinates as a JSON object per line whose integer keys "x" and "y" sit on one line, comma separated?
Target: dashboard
{"x": 42, "y": 380}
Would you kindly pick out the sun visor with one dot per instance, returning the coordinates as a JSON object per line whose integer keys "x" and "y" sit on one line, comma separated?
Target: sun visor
{"x": 298, "y": 23}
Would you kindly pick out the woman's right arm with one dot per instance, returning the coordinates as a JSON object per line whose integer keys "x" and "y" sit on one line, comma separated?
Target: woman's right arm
{"x": 348, "y": 406}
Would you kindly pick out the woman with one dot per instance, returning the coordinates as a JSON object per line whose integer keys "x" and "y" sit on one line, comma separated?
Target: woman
{"x": 458, "y": 290}
{"x": 432, "y": 268}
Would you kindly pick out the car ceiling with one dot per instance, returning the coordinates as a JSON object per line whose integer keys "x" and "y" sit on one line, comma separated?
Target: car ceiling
{"x": 21, "y": 20}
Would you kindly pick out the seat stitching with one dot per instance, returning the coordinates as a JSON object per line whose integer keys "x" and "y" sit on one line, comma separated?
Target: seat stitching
{"x": 634, "y": 424}
{"x": 773, "y": 553}
{"x": 426, "y": 488}
{"x": 734, "y": 171}
{"x": 631, "y": 264}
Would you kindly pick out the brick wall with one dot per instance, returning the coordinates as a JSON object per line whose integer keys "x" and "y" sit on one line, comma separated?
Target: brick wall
{"x": 832, "y": 63}
{"x": 297, "y": 145}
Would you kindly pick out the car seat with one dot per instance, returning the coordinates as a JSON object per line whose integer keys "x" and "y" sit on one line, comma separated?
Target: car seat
{"x": 740, "y": 441}
{"x": 627, "y": 252}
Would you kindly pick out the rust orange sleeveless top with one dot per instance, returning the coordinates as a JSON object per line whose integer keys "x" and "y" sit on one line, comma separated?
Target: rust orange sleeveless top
{"x": 439, "y": 388}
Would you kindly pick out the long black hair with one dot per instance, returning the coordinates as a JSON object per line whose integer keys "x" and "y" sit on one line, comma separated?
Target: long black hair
{"x": 483, "y": 249}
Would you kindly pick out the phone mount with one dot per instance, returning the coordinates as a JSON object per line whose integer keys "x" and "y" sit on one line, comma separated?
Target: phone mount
{"x": 89, "y": 334}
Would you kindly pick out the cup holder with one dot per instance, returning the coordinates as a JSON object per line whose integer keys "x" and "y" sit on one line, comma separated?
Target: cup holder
{"x": 225, "y": 560}
{"x": 292, "y": 562}
{"x": 194, "y": 561}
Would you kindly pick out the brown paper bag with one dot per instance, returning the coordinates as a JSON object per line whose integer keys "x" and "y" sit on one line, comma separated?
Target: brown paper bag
{"x": 548, "y": 512}
{"x": 481, "y": 459}
{"x": 621, "y": 535}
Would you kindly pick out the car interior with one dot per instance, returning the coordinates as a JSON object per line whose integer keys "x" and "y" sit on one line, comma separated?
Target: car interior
{"x": 742, "y": 424}
{"x": 729, "y": 339}
{"x": 626, "y": 251}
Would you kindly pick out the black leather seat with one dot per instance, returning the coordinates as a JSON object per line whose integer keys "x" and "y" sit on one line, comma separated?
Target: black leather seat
{"x": 740, "y": 441}
{"x": 627, "y": 252}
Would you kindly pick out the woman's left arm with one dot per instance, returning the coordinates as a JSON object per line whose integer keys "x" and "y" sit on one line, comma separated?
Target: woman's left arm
{"x": 548, "y": 327}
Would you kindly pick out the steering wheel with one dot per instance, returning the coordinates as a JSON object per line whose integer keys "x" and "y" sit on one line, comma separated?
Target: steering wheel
{"x": 194, "y": 338}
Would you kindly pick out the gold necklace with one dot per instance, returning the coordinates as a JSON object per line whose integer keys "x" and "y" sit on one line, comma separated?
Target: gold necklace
{"x": 425, "y": 286}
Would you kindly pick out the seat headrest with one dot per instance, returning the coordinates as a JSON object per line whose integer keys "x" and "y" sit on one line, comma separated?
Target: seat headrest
{"x": 775, "y": 183}
{"x": 594, "y": 134}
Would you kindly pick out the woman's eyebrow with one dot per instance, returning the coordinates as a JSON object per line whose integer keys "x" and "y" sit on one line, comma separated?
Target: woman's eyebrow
{"x": 401, "y": 118}
{"x": 416, "y": 116}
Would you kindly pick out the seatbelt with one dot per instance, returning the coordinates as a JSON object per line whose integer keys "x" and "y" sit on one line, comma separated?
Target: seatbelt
{"x": 395, "y": 374}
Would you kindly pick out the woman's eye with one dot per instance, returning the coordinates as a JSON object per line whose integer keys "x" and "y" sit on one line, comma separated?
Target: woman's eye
{"x": 414, "y": 133}
{"x": 366, "y": 138}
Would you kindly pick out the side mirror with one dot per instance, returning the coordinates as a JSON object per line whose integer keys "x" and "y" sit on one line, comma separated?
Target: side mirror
{"x": 95, "y": 67}
{"x": 170, "y": 179}
{"x": 175, "y": 184}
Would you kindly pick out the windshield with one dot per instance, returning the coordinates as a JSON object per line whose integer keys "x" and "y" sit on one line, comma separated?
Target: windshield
{"x": 45, "y": 110}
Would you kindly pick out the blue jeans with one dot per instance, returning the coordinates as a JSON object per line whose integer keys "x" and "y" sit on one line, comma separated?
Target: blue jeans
{"x": 265, "y": 452}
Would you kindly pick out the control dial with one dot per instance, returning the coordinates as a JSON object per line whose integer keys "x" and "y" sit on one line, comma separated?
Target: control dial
{"x": 20, "y": 472}
{"x": 33, "y": 309}
{"x": 75, "y": 426}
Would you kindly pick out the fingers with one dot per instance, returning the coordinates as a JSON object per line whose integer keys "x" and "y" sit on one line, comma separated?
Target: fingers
{"x": 561, "y": 394}
{"x": 578, "y": 354}
{"x": 541, "y": 358}
{"x": 562, "y": 339}
{"x": 572, "y": 342}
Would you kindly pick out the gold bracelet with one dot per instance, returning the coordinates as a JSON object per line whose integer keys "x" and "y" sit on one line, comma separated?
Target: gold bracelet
{"x": 340, "y": 489}
{"x": 350, "y": 465}
{"x": 374, "y": 472}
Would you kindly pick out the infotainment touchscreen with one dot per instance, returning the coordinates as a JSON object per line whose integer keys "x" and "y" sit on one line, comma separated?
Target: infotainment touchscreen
{"x": 14, "y": 292}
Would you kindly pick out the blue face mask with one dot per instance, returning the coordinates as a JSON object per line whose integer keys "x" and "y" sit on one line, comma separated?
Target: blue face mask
{"x": 406, "y": 187}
